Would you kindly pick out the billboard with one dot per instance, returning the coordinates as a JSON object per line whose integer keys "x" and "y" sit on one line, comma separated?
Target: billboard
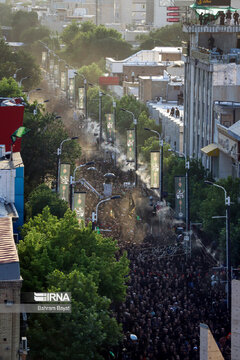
{"x": 213, "y": 2}
{"x": 173, "y": 19}
{"x": 11, "y": 118}
{"x": 180, "y": 197}
{"x": 108, "y": 80}
{"x": 130, "y": 145}
{"x": 79, "y": 205}
{"x": 110, "y": 127}
{"x": 64, "y": 182}
{"x": 155, "y": 169}
{"x": 81, "y": 98}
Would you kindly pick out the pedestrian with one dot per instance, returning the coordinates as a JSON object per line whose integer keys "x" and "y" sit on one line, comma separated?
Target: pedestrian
{"x": 177, "y": 112}
{"x": 222, "y": 18}
{"x": 201, "y": 18}
{"x": 228, "y": 16}
{"x": 172, "y": 111}
{"x": 235, "y": 17}
{"x": 211, "y": 42}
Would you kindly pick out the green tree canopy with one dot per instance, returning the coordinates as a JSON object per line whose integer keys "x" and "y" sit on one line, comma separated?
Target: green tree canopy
{"x": 170, "y": 35}
{"x": 56, "y": 255}
{"x": 91, "y": 72}
{"x": 41, "y": 197}
{"x": 9, "y": 88}
{"x": 40, "y": 145}
{"x": 89, "y": 43}
{"x": 5, "y": 14}
{"x": 21, "y": 21}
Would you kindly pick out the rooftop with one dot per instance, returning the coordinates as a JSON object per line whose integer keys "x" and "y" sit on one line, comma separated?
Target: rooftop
{"x": 6, "y": 164}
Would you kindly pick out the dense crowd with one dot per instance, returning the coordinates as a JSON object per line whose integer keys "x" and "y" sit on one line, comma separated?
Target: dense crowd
{"x": 167, "y": 299}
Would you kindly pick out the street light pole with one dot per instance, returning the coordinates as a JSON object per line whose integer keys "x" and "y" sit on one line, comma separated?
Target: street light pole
{"x": 228, "y": 242}
{"x": 135, "y": 135}
{"x": 100, "y": 117}
{"x": 59, "y": 153}
{"x": 160, "y": 162}
{"x": 73, "y": 182}
{"x": 24, "y": 78}
{"x": 95, "y": 214}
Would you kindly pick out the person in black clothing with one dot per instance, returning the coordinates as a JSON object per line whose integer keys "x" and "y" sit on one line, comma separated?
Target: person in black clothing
{"x": 222, "y": 18}
{"x": 228, "y": 16}
{"x": 235, "y": 17}
{"x": 211, "y": 42}
{"x": 172, "y": 111}
{"x": 201, "y": 18}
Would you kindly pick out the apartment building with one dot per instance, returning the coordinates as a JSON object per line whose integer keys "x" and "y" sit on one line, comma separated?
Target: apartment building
{"x": 212, "y": 96}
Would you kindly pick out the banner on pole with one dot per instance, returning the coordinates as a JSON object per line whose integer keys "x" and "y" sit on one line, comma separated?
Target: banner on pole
{"x": 110, "y": 127}
{"x": 81, "y": 97}
{"x": 51, "y": 66}
{"x": 130, "y": 145}
{"x": 71, "y": 88}
{"x": 107, "y": 190}
{"x": 64, "y": 182}
{"x": 155, "y": 169}
{"x": 44, "y": 58}
{"x": 180, "y": 197}
{"x": 56, "y": 72}
{"x": 63, "y": 80}
{"x": 79, "y": 205}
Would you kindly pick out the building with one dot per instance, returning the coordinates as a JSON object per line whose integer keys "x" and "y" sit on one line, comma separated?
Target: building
{"x": 143, "y": 63}
{"x": 212, "y": 89}
{"x": 10, "y": 287}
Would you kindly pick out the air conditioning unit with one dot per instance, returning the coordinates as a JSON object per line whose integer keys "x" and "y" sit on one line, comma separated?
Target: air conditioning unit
{"x": 2, "y": 151}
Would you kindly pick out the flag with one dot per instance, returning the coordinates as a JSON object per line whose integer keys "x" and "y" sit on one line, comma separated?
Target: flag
{"x": 19, "y": 133}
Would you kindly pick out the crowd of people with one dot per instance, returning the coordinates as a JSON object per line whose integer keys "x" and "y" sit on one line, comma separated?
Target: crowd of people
{"x": 225, "y": 18}
{"x": 167, "y": 298}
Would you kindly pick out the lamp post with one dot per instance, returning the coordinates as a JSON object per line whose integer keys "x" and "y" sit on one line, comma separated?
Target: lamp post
{"x": 135, "y": 135}
{"x": 73, "y": 182}
{"x": 24, "y": 78}
{"x": 59, "y": 153}
{"x": 28, "y": 95}
{"x": 228, "y": 241}
{"x": 160, "y": 162}
{"x": 100, "y": 94}
{"x": 187, "y": 167}
{"x": 15, "y": 74}
{"x": 95, "y": 214}
{"x": 36, "y": 107}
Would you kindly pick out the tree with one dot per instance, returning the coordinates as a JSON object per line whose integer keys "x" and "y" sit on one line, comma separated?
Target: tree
{"x": 5, "y": 14}
{"x": 56, "y": 255}
{"x": 40, "y": 145}
{"x": 89, "y": 43}
{"x": 170, "y": 35}
{"x": 32, "y": 34}
{"x": 91, "y": 72}
{"x": 41, "y": 197}
{"x": 21, "y": 21}
{"x": 11, "y": 61}
{"x": 9, "y": 88}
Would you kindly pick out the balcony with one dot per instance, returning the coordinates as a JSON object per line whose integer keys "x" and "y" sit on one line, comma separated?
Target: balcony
{"x": 210, "y": 28}
{"x": 213, "y": 56}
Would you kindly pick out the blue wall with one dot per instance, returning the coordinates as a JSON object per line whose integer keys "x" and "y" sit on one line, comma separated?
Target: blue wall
{"x": 19, "y": 197}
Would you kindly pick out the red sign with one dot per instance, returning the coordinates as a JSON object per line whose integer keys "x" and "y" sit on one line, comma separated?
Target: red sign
{"x": 172, "y": 8}
{"x": 173, "y": 14}
{"x": 173, "y": 20}
{"x": 108, "y": 80}
{"x": 11, "y": 118}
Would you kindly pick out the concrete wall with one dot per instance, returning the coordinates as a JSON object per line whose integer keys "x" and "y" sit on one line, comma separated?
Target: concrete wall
{"x": 142, "y": 71}
{"x": 225, "y": 166}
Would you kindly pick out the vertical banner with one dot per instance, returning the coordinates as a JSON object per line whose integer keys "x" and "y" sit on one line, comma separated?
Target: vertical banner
{"x": 130, "y": 145}
{"x": 64, "y": 182}
{"x": 56, "y": 72}
{"x": 71, "y": 88}
{"x": 63, "y": 80}
{"x": 79, "y": 205}
{"x": 180, "y": 197}
{"x": 107, "y": 190}
{"x": 51, "y": 66}
{"x": 110, "y": 127}
{"x": 44, "y": 58}
{"x": 81, "y": 98}
{"x": 155, "y": 169}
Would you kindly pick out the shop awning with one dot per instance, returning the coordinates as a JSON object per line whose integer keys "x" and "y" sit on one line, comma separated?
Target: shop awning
{"x": 211, "y": 150}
